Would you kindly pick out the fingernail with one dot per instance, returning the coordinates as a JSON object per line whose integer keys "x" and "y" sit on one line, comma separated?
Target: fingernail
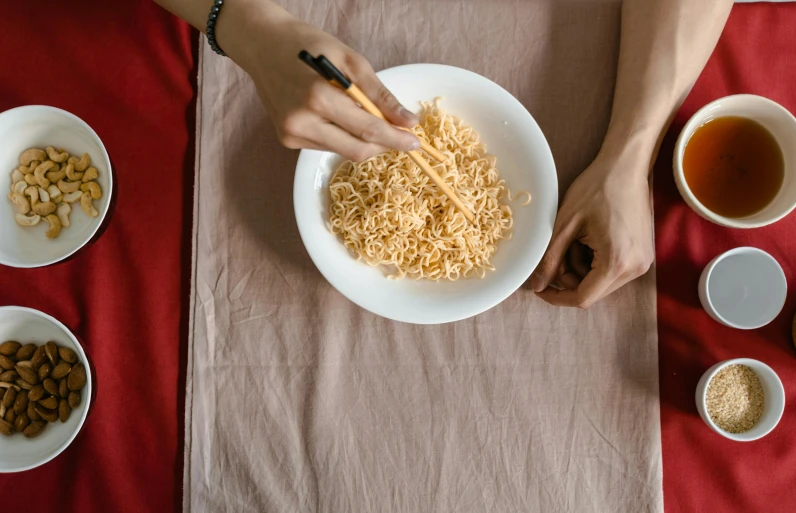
{"x": 537, "y": 282}
{"x": 407, "y": 115}
{"x": 415, "y": 145}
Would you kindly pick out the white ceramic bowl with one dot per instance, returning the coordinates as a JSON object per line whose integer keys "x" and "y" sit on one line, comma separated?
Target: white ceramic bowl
{"x": 773, "y": 397}
{"x": 743, "y": 288}
{"x": 38, "y": 126}
{"x": 524, "y": 161}
{"x": 782, "y": 126}
{"x": 18, "y": 453}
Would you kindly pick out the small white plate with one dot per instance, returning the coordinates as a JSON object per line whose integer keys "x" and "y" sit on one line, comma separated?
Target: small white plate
{"x": 744, "y": 288}
{"x": 773, "y": 399}
{"x": 524, "y": 161}
{"x": 38, "y": 126}
{"x": 18, "y": 453}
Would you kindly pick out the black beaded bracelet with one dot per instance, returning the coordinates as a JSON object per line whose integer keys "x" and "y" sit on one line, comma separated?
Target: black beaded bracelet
{"x": 211, "y": 27}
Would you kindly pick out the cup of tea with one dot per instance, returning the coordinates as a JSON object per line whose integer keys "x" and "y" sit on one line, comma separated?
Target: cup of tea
{"x": 735, "y": 161}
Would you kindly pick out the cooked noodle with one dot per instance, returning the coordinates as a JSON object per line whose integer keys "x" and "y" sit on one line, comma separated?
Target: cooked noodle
{"x": 389, "y": 213}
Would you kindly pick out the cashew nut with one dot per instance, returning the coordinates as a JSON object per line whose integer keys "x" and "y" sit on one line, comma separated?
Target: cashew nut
{"x": 72, "y": 197}
{"x": 31, "y": 180}
{"x": 17, "y": 176}
{"x": 54, "y": 191}
{"x": 44, "y": 196}
{"x": 24, "y": 220}
{"x": 19, "y": 188}
{"x": 44, "y": 209}
{"x": 58, "y": 200}
{"x": 55, "y": 226}
{"x": 63, "y": 211}
{"x": 73, "y": 175}
{"x": 30, "y": 155}
{"x": 28, "y": 170}
{"x": 21, "y": 202}
{"x": 87, "y": 205}
{"x": 54, "y": 176}
{"x": 90, "y": 174}
{"x": 33, "y": 192}
{"x": 43, "y": 168}
{"x": 56, "y": 156}
{"x": 68, "y": 186}
{"x": 93, "y": 188}
{"x": 83, "y": 163}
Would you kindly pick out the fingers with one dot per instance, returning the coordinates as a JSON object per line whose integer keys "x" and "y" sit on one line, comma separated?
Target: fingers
{"x": 343, "y": 112}
{"x": 553, "y": 259}
{"x": 333, "y": 138}
{"x": 364, "y": 76}
{"x": 591, "y": 289}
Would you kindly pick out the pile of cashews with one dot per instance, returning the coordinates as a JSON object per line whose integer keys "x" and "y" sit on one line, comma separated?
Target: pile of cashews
{"x": 46, "y": 184}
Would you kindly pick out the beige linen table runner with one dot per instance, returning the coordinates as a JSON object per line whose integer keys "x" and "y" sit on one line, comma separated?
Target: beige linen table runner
{"x": 300, "y": 401}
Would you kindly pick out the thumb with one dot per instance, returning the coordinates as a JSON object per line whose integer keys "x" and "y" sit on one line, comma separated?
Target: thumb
{"x": 388, "y": 104}
{"x": 551, "y": 262}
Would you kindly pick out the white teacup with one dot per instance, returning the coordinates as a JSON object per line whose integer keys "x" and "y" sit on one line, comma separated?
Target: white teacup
{"x": 777, "y": 120}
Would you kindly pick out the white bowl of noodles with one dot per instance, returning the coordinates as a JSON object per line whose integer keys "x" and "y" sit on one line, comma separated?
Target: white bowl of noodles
{"x": 438, "y": 268}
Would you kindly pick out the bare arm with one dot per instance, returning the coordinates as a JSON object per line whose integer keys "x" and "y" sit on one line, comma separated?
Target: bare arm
{"x": 603, "y": 233}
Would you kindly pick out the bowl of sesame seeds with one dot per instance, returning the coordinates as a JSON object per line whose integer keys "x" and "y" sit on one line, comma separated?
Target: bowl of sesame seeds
{"x": 741, "y": 399}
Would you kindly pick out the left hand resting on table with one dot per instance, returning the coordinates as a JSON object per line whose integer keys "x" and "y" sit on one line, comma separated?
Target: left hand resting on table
{"x": 606, "y": 217}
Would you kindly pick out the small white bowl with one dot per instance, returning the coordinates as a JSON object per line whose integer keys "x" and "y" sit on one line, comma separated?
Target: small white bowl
{"x": 38, "y": 126}
{"x": 743, "y": 288}
{"x": 773, "y": 398}
{"x": 782, "y": 126}
{"x": 18, "y": 453}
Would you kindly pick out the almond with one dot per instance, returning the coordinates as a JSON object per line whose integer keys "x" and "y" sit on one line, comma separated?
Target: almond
{"x": 67, "y": 355}
{"x": 9, "y": 376}
{"x": 32, "y": 415}
{"x": 44, "y": 370}
{"x": 39, "y": 357}
{"x": 60, "y": 370}
{"x": 6, "y": 363}
{"x": 64, "y": 410}
{"x": 9, "y": 348}
{"x": 74, "y": 399}
{"x": 8, "y": 397}
{"x": 10, "y": 416}
{"x": 22, "y": 422}
{"x": 36, "y": 393}
{"x": 25, "y": 363}
{"x": 21, "y": 402}
{"x": 77, "y": 378}
{"x": 29, "y": 375}
{"x": 52, "y": 352}
{"x": 50, "y": 403}
{"x": 6, "y": 428}
{"x": 46, "y": 414}
{"x": 26, "y": 352}
{"x": 51, "y": 386}
{"x": 34, "y": 429}
{"x": 24, "y": 385}
{"x": 63, "y": 389}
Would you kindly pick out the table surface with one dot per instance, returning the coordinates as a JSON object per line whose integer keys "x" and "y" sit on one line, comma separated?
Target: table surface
{"x": 128, "y": 303}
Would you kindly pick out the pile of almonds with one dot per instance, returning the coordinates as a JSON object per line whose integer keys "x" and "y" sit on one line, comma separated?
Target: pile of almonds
{"x": 38, "y": 384}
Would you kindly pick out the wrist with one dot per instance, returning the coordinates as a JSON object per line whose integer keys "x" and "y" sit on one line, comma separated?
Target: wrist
{"x": 630, "y": 151}
{"x": 242, "y": 23}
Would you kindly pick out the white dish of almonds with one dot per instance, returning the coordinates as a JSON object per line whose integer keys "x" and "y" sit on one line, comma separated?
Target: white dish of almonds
{"x": 37, "y": 132}
{"x": 17, "y": 452}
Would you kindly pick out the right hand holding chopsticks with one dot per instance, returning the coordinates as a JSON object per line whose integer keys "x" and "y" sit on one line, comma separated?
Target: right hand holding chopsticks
{"x": 307, "y": 111}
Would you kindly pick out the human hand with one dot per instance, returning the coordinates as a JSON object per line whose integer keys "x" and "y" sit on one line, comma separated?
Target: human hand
{"x": 307, "y": 111}
{"x": 606, "y": 217}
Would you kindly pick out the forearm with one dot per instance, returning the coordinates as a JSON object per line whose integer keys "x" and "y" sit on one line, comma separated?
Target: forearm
{"x": 235, "y": 26}
{"x": 664, "y": 46}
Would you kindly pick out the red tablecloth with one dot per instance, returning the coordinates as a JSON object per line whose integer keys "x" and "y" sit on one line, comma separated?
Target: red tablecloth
{"x": 127, "y": 68}
{"x": 702, "y": 471}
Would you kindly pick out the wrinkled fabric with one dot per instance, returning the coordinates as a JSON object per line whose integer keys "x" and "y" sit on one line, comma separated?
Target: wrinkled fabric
{"x": 300, "y": 401}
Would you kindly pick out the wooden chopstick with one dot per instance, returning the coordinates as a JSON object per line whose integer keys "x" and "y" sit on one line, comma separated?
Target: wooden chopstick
{"x": 358, "y": 96}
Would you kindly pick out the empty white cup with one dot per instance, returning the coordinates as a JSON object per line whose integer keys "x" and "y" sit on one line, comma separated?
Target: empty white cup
{"x": 744, "y": 288}
{"x": 777, "y": 120}
{"x": 773, "y": 399}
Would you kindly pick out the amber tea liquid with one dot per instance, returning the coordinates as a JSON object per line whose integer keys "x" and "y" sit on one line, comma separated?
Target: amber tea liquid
{"x": 734, "y": 166}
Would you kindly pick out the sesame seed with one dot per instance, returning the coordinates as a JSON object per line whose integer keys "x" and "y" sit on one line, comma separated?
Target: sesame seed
{"x": 735, "y": 399}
